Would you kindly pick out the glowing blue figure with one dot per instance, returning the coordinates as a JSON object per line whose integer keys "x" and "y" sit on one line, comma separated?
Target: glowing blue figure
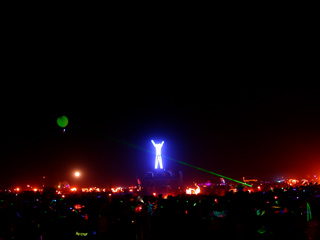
{"x": 158, "y": 147}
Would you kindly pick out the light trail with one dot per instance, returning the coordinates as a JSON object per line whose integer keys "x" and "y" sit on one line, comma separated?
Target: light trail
{"x": 204, "y": 170}
{"x": 172, "y": 159}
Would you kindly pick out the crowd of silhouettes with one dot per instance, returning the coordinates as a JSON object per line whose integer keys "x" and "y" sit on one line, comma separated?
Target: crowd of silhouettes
{"x": 289, "y": 213}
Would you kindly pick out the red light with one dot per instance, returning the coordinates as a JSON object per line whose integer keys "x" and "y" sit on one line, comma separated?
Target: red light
{"x": 138, "y": 208}
{"x": 77, "y": 206}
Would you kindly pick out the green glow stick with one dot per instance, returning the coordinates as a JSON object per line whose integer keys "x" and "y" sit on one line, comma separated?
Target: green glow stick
{"x": 309, "y": 215}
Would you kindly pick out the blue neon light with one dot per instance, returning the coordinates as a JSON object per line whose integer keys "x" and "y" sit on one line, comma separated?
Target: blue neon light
{"x": 158, "y": 147}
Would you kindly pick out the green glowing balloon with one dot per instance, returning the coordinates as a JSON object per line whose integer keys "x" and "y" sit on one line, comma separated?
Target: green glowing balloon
{"x": 62, "y": 121}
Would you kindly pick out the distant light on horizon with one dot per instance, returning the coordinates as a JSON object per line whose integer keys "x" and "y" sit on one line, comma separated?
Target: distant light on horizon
{"x": 193, "y": 191}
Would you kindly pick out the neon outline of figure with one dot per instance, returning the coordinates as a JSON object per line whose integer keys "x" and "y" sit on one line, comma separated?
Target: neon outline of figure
{"x": 158, "y": 147}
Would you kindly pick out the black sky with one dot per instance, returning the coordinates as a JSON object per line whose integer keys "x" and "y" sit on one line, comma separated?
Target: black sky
{"x": 238, "y": 100}
{"x": 240, "y": 130}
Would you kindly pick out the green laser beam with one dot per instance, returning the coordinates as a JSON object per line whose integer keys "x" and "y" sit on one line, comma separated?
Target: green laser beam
{"x": 175, "y": 160}
{"x": 204, "y": 170}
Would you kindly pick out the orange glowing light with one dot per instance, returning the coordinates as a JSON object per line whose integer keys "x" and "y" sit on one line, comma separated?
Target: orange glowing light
{"x": 193, "y": 191}
{"x": 118, "y": 189}
{"x": 78, "y": 206}
{"x": 77, "y": 174}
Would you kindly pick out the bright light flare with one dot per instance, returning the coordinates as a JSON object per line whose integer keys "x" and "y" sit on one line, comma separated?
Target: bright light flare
{"x": 193, "y": 191}
{"x": 158, "y": 147}
{"x": 77, "y": 206}
{"x": 77, "y": 174}
{"x": 118, "y": 189}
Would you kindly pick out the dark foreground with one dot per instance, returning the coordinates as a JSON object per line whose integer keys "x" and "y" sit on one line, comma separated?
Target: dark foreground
{"x": 292, "y": 213}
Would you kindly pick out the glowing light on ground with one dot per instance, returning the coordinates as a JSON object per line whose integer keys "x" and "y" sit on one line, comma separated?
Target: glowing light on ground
{"x": 309, "y": 215}
{"x": 77, "y": 206}
{"x": 81, "y": 234}
{"x": 93, "y": 189}
{"x": 293, "y": 181}
{"x": 193, "y": 191}
{"x": 116, "y": 190}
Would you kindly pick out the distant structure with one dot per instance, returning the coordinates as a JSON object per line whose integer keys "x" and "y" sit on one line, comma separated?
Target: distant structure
{"x": 158, "y": 147}
{"x": 249, "y": 180}
{"x": 160, "y": 180}
{"x": 222, "y": 182}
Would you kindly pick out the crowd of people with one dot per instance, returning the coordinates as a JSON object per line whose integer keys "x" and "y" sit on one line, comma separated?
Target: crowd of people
{"x": 289, "y": 213}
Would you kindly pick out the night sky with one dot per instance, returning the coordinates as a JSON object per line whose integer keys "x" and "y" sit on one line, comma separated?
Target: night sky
{"x": 260, "y": 132}
{"x": 238, "y": 105}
